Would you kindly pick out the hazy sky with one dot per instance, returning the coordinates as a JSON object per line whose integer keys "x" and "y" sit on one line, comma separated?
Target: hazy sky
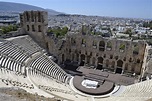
{"x": 115, "y": 8}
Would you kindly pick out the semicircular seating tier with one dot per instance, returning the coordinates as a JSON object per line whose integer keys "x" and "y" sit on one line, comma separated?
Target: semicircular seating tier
{"x": 22, "y": 56}
{"x": 20, "y": 52}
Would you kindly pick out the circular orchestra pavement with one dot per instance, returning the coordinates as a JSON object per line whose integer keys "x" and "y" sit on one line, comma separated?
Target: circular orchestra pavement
{"x": 97, "y": 82}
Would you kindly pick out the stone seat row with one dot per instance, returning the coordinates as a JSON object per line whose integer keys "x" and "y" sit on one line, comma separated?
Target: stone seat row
{"x": 11, "y": 64}
{"x": 28, "y": 45}
{"x": 36, "y": 76}
{"x": 44, "y": 64}
{"x": 54, "y": 87}
{"x": 30, "y": 40}
{"x": 142, "y": 89}
{"x": 13, "y": 52}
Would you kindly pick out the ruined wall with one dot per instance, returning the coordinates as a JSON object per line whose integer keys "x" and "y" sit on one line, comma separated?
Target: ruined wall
{"x": 93, "y": 50}
{"x": 35, "y": 23}
{"x": 148, "y": 61}
{"x": 106, "y": 52}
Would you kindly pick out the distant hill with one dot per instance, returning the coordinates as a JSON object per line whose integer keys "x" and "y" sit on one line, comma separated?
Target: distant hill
{"x": 18, "y": 7}
{"x": 53, "y": 12}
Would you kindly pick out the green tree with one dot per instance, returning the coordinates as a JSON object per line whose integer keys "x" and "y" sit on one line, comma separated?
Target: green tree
{"x": 147, "y": 24}
{"x": 128, "y": 31}
{"x": 6, "y": 29}
{"x": 59, "y": 31}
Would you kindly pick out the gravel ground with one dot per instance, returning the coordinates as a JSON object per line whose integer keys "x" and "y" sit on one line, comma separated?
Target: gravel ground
{"x": 17, "y": 94}
{"x": 6, "y": 97}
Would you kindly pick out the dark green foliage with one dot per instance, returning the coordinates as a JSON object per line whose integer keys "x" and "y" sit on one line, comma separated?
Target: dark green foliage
{"x": 122, "y": 46}
{"x": 128, "y": 31}
{"x": 59, "y": 31}
{"x": 147, "y": 24}
{"x": 6, "y": 29}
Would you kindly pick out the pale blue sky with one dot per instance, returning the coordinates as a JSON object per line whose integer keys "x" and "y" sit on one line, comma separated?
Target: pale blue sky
{"x": 114, "y": 8}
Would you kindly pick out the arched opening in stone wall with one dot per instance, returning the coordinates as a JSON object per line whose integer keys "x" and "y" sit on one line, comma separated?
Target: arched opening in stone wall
{"x": 109, "y": 46}
{"x": 39, "y": 28}
{"x": 124, "y": 59}
{"x": 83, "y": 42}
{"x": 33, "y": 28}
{"x": 122, "y": 47}
{"x": 119, "y": 63}
{"x": 101, "y": 46}
{"x": 116, "y": 57}
{"x": 32, "y": 16}
{"x": 100, "y": 63}
{"x": 63, "y": 58}
{"x": 27, "y": 17}
{"x": 130, "y": 59}
{"x": 28, "y": 28}
{"x": 88, "y": 59}
{"x": 135, "y": 50}
{"x": 138, "y": 60}
{"x": 111, "y": 56}
{"x": 47, "y": 46}
{"x": 94, "y": 44}
{"x": 119, "y": 66}
{"x": 82, "y": 60}
{"x": 104, "y": 56}
{"x": 73, "y": 42}
{"x": 69, "y": 51}
{"x": 39, "y": 17}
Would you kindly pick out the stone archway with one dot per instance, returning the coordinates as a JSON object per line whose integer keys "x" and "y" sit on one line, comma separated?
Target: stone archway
{"x": 101, "y": 46}
{"x": 62, "y": 58}
{"x": 120, "y": 63}
{"x": 47, "y": 46}
{"x": 100, "y": 63}
{"x": 28, "y": 28}
{"x": 119, "y": 66}
{"x": 82, "y": 62}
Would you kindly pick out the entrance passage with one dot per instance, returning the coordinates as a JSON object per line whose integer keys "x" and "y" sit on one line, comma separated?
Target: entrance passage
{"x": 82, "y": 62}
{"x": 100, "y": 63}
{"x": 99, "y": 66}
{"x": 101, "y": 46}
{"x": 119, "y": 70}
{"x": 119, "y": 66}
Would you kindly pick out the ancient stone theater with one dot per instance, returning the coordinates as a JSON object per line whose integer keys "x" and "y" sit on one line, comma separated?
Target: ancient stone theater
{"x": 78, "y": 67}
